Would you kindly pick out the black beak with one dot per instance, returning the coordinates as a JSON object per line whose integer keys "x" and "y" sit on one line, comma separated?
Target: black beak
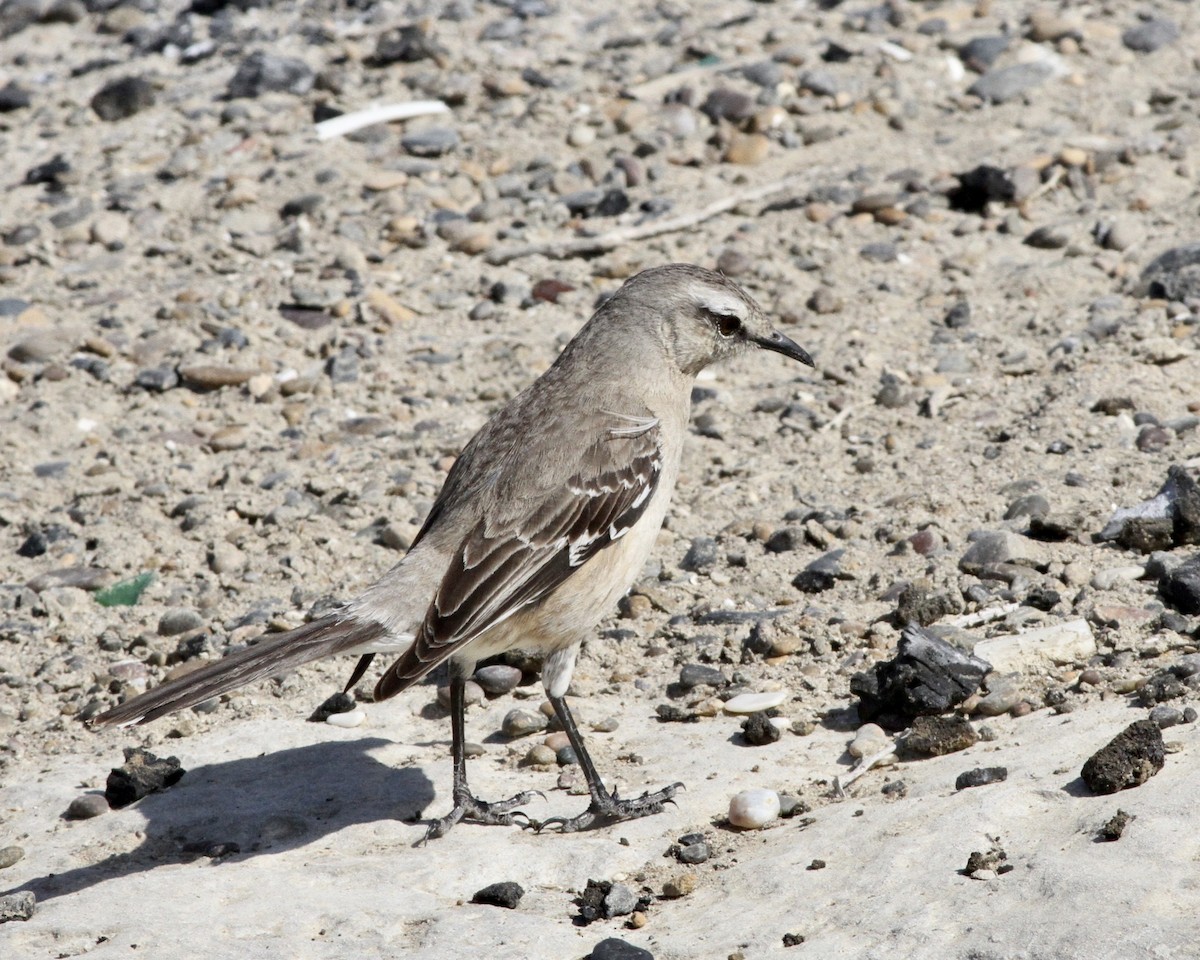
{"x": 780, "y": 344}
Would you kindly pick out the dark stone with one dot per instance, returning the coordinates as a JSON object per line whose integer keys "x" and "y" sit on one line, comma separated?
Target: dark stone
{"x": 693, "y": 675}
{"x": 157, "y": 379}
{"x": 732, "y": 105}
{"x": 1114, "y": 828}
{"x": 213, "y": 849}
{"x": 1180, "y": 587}
{"x": 821, "y": 574}
{"x": 591, "y": 901}
{"x": 430, "y": 142}
{"x": 1151, "y": 35}
{"x": 342, "y": 367}
{"x": 87, "y": 806}
{"x": 793, "y": 939}
{"x": 785, "y": 540}
{"x": 669, "y": 713}
{"x": 614, "y": 949}
{"x": 1147, "y": 534}
{"x": 696, "y": 852}
{"x": 306, "y": 204}
{"x": 927, "y": 676}
{"x": 14, "y": 97}
{"x": 1161, "y": 687}
{"x": 1007, "y": 83}
{"x": 702, "y": 555}
{"x": 977, "y": 187}
{"x": 179, "y": 620}
{"x": 981, "y": 777}
{"x": 407, "y": 44}
{"x": 1172, "y": 275}
{"x": 991, "y": 860}
{"x": 758, "y": 730}
{"x": 497, "y": 678}
{"x": 1032, "y": 505}
{"x": 879, "y": 252}
{"x": 979, "y": 54}
{"x": 958, "y": 315}
{"x": 937, "y": 736}
{"x": 1131, "y": 758}
{"x": 921, "y": 606}
{"x": 142, "y": 774}
{"x": 1043, "y": 598}
{"x": 49, "y": 172}
{"x": 263, "y": 72}
{"x": 337, "y": 703}
{"x": 122, "y": 98}
{"x": 507, "y": 894}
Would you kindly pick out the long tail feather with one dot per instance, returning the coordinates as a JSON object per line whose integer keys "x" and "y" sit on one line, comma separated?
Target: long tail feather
{"x": 276, "y": 654}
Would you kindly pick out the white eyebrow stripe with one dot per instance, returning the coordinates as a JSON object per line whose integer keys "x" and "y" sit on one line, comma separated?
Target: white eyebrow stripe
{"x": 718, "y": 301}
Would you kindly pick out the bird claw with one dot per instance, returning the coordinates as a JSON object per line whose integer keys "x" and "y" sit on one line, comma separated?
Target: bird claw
{"x": 610, "y": 808}
{"x": 499, "y": 813}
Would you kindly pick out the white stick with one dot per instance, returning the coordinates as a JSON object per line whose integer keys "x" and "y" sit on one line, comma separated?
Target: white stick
{"x": 379, "y": 113}
{"x": 654, "y": 228}
{"x": 841, "y": 783}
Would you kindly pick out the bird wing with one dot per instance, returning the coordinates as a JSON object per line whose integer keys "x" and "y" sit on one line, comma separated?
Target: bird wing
{"x": 506, "y": 565}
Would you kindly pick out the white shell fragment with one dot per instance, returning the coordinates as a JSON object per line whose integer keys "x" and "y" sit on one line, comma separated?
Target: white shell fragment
{"x": 353, "y": 718}
{"x": 754, "y": 702}
{"x": 753, "y": 809}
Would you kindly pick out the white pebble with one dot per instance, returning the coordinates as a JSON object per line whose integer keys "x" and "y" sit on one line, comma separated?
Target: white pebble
{"x": 753, "y": 809}
{"x": 869, "y": 740}
{"x": 1110, "y": 578}
{"x": 352, "y": 719}
{"x": 754, "y": 702}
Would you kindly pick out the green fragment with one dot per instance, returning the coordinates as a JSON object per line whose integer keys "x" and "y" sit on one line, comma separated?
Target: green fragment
{"x": 125, "y": 593}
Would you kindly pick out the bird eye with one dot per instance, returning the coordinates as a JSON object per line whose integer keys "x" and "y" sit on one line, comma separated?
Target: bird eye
{"x": 726, "y": 324}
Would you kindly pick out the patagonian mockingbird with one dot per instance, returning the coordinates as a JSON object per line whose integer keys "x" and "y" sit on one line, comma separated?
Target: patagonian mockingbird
{"x": 544, "y": 522}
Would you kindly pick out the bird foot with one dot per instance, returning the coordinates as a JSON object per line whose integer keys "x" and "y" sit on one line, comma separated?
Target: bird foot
{"x": 473, "y": 810}
{"x": 609, "y": 808}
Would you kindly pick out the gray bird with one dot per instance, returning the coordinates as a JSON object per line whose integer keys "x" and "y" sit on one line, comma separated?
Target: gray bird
{"x": 544, "y": 522}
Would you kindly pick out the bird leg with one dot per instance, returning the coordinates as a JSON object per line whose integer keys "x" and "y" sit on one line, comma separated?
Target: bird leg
{"x": 605, "y": 807}
{"x": 466, "y": 805}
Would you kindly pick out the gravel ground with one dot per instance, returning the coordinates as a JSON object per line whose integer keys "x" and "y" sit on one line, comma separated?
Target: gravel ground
{"x": 238, "y": 361}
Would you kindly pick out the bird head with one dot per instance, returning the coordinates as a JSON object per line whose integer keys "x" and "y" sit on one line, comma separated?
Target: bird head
{"x": 704, "y": 317}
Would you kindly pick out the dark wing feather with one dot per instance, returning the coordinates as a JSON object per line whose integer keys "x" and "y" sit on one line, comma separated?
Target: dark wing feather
{"x": 503, "y": 567}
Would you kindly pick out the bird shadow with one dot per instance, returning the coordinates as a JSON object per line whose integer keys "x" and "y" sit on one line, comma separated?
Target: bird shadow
{"x": 240, "y": 809}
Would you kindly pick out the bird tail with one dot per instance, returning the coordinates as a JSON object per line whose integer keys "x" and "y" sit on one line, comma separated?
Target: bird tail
{"x": 277, "y": 654}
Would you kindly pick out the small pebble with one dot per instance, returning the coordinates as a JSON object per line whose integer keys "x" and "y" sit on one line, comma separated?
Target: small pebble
{"x": 521, "y": 723}
{"x": 620, "y": 901}
{"x": 10, "y": 855}
{"x": 615, "y": 949}
{"x": 19, "y": 906}
{"x": 758, "y": 730}
{"x": 869, "y": 740}
{"x": 497, "y": 679}
{"x": 755, "y": 702}
{"x": 753, "y": 809}
{"x": 679, "y": 886}
{"x": 1114, "y": 828}
{"x": 540, "y": 756}
{"x": 980, "y": 777}
{"x": 87, "y": 806}
{"x": 506, "y": 894}
{"x": 353, "y": 718}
